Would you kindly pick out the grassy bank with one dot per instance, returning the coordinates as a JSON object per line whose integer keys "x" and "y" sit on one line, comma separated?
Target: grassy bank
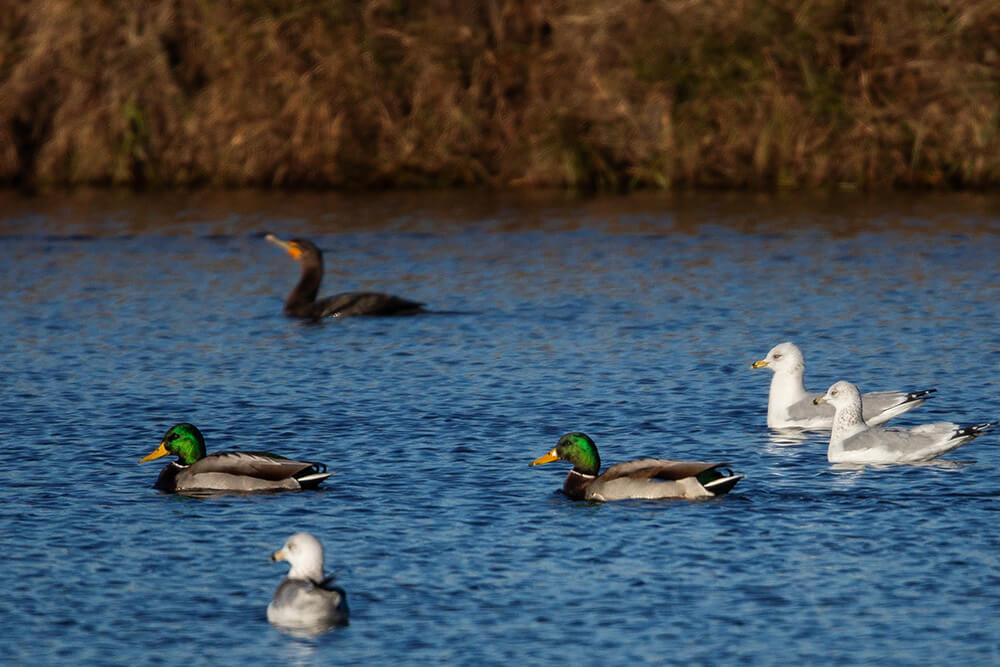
{"x": 590, "y": 94}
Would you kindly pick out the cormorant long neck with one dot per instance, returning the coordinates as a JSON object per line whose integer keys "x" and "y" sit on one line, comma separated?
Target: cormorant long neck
{"x": 305, "y": 292}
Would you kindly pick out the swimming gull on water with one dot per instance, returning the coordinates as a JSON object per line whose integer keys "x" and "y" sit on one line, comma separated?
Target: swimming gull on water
{"x": 789, "y": 405}
{"x": 306, "y": 599}
{"x": 854, "y": 441}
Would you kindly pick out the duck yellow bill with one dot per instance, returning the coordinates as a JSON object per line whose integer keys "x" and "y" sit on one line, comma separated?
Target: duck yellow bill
{"x": 160, "y": 451}
{"x": 762, "y": 363}
{"x": 292, "y": 250}
{"x": 548, "y": 458}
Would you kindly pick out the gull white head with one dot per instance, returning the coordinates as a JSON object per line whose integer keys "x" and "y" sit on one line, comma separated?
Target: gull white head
{"x": 783, "y": 358}
{"x": 848, "y": 421}
{"x": 841, "y": 394}
{"x": 305, "y": 554}
{"x": 787, "y": 383}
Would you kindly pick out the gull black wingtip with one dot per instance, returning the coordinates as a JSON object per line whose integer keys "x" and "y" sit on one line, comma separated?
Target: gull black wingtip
{"x": 976, "y": 429}
{"x": 917, "y": 395}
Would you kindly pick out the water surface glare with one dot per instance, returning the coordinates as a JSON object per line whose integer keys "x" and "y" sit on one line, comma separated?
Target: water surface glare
{"x": 634, "y": 319}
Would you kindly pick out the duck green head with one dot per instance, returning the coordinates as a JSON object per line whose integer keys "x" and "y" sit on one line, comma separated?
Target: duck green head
{"x": 578, "y": 449}
{"x": 183, "y": 441}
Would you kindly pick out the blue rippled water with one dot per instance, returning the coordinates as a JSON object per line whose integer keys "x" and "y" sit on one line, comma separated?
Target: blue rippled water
{"x": 633, "y": 319}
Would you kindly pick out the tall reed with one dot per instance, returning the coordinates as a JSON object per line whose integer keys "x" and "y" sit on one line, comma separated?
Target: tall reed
{"x": 612, "y": 94}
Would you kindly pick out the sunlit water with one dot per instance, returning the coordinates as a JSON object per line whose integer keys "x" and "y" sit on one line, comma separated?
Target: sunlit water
{"x": 633, "y": 319}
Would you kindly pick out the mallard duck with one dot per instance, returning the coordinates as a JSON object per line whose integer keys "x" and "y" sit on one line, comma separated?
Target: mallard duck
{"x": 227, "y": 471}
{"x": 789, "y": 405}
{"x": 306, "y": 599}
{"x": 852, "y": 440}
{"x": 302, "y": 300}
{"x": 642, "y": 478}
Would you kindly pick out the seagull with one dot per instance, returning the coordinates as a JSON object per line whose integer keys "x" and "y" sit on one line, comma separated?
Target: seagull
{"x": 789, "y": 405}
{"x": 306, "y": 599}
{"x": 852, "y": 440}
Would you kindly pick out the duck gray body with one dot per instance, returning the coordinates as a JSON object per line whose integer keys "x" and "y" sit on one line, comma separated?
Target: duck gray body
{"x": 640, "y": 479}
{"x": 649, "y": 479}
{"x": 195, "y": 470}
{"x": 241, "y": 471}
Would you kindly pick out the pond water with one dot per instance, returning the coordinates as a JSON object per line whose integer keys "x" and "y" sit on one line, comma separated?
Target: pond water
{"x": 634, "y": 319}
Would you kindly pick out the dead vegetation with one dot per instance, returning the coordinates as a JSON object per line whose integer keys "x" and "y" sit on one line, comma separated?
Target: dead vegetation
{"x": 614, "y": 94}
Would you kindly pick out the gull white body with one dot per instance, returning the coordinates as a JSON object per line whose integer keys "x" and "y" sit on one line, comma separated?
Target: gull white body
{"x": 306, "y": 599}
{"x": 852, "y": 440}
{"x": 789, "y": 405}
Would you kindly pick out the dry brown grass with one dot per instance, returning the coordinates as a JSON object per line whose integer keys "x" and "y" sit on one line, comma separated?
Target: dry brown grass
{"x": 616, "y": 94}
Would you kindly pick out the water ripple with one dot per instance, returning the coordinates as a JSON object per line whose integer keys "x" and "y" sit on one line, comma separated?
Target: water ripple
{"x": 638, "y": 330}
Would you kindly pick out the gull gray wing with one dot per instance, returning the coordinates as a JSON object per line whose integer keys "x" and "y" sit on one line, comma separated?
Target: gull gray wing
{"x": 805, "y": 410}
{"x": 896, "y": 445}
{"x": 879, "y": 407}
{"x": 299, "y": 602}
